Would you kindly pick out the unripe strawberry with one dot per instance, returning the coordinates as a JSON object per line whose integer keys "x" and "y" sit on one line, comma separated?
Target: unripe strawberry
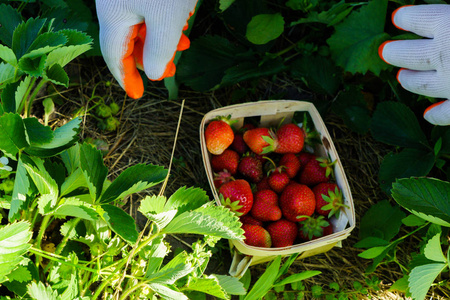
{"x": 237, "y": 195}
{"x": 265, "y": 206}
{"x": 228, "y": 160}
{"x": 219, "y": 135}
{"x": 283, "y": 233}
{"x": 297, "y": 200}
{"x": 256, "y": 236}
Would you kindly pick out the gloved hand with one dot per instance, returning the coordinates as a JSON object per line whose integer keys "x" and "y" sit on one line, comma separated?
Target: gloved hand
{"x": 425, "y": 63}
{"x": 144, "y": 34}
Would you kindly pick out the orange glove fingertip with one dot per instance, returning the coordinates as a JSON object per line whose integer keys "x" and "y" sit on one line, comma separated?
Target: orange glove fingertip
{"x": 432, "y": 106}
{"x": 380, "y": 50}
{"x": 393, "y": 16}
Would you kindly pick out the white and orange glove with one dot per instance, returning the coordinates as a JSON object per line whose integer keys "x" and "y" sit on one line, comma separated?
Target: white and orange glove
{"x": 142, "y": 34}
{"x": 425, "y": 63}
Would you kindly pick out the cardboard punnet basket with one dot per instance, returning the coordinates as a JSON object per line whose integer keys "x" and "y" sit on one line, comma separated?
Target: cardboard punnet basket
{"x": 271, "y": 112}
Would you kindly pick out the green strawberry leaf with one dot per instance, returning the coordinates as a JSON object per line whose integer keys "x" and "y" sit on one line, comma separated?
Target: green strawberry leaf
{"x": 21, "y": 188}
{"x": 45, "y": 43}
{"x": 75, "y": 208}
{"x": 427, "y": 198}
{"x": 7, "y": 73}
{"x": 64, "y": 137}
{"x": 8, "y": 97}
{"x": 208, "y": 220}
{"x": 38, "y": 134}
{"x": 57, "y": 75}
{"x": 39, "y": 291}
{"x": 33, "y": 66}
{"x": 94, "y": 170}
{"x": 381, "y": 221}
{"x": 331, "y": 17}
{"x": 203, "y": 65}
{"x": 25, "y": 34}
{"x": 208, "y": 285}
{"x": 224, "y": 4}
{"x": 394, "y": 123}
{"x": 353, "y": 109}
{"x": 8, "y": 55}
{"x": 77, "y": 44}
{"x": 399, "y": 165}
{"x": 186, "y": 199}
{"x": 14, "y": 243}
{"x": 264, "y": 28}
{"x": 10, "y": 19}
{"x": 120, "y": 222}
{"x": 134, "y": 179}
{"x": 12, "y": 134}
{"x": 318, "y": 72}
{"x": 421, "y": 278}
{"x": 354, "y": 45}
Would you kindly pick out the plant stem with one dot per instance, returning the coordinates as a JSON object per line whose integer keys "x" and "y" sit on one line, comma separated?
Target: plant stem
{"x": 24, "y": 103}
{"x": 44, "y": 224}
{"x": 34, "y": 94}
{"x": 129, "y": 291}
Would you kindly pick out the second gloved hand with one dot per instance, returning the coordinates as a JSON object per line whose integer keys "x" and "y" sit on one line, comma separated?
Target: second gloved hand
{"x": 144, "y": 34}
{"x": 425, "y": 62}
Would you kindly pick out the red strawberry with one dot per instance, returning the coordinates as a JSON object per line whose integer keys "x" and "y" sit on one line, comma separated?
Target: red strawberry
{"x": 251, "y": 168}
{"x": 329, "y": 199}
{"x": 314, "y": 228}
{"x": 291, "y": 163}
{"x": 219, "y": 135}
{"x": 263, "y": 184}
{"x": 316, "y": 171}
{"x": 222, "y": 177}
{"x": 290, "y": 139}
{"x": 278, "y": 180}
{"x": 265, "y": 206}
{"x": 248, "y": 219}
{"x": 304, "y": 158}
{"x": 237, "y": 195}
{"x": 282, "y": 232}
{"x": 297, "y": 200}
{"x": 228, "y": 160}
{"x": 256, "y": 236}
{"x": 256, "y": 139}
{"x": 238, "y": 143}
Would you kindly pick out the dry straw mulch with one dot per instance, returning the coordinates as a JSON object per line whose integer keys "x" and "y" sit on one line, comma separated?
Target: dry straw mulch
{"x": 146, "y": 135}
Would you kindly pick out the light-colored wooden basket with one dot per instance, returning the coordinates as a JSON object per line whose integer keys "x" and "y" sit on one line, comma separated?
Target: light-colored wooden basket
{"x": 271, "y": 112}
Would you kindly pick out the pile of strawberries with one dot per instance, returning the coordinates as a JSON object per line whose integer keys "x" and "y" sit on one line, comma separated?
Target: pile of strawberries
{"x": 283, "y": 194}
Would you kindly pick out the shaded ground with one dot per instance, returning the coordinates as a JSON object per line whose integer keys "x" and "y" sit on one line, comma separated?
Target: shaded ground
{"x": 146, "y": 135}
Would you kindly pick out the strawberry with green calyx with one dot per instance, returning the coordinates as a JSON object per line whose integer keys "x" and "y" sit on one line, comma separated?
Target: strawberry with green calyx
{"x": 257, "y": 139}
{"x": 251, "y": 168}
{"x": 329, "y": 199}
{"x": 297, "y": 200}
{"x": 265, "y": 206}
{"x": 237, "y": 196}
{"x": 219, "y": 135}
{"x": 256, "y": 236}
{"x": 283, "y": 233}
{"x": 311, "y": 228}
{"x": 221, "y": 178}
{"x": 248, "y": 219}
{"x": 291, "y": 164}
{"x": 289, "y": 138}
{"x": 316, "y": 171}
{"x": 277, "y": 177}
{"x": 228, "y": 160}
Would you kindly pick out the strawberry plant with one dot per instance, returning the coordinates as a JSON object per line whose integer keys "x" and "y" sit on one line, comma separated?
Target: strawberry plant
{"x": 427, "y": 200}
